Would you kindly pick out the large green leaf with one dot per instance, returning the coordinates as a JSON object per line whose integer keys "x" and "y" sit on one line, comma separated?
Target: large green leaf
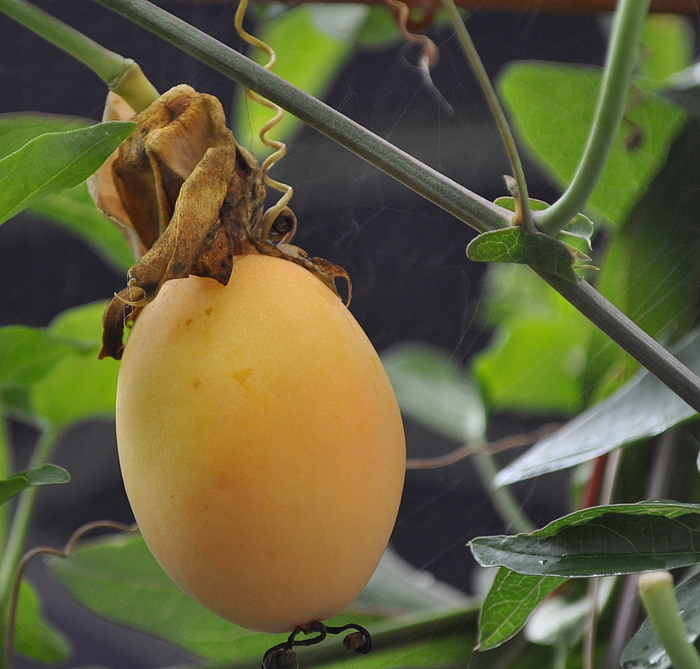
{"x": 18, "y": 129}
{"x": 54, "y": 373}
{"x": 54, "y": 161}
{"x": 454, "y": 650}
{"x": 534, "y": 364}
{"x": 44, "y": 475}
{"x": 27, "y": 354}
{"x": 77, "y": 387}
{"x": 601, "y": 541}
{"x": 311, "y": 44}
{"x": 536, "y": 357}
{"x": 668, "y": 46}
{"x": 509, "y": 603}
{"x": 398, "y": 588}
{"x": 650, "y": 270}
{"x": 73, "y": 208}
{"x": 552, "y": 108}
{"x": 645, "y": 651}
{"x": 432, "y": 390}
{"x": 34, "y": 637}
{"x": 642, "y": 408}
{"x": 119, "y": 579}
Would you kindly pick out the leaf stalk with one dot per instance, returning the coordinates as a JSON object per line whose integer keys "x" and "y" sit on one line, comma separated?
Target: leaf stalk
{"x": 523, "y": 215}
{"x": 621, "y": 60}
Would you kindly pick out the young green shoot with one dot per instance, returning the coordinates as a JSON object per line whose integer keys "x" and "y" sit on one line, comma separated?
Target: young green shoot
{"x": 122, "y": 75}
{"x": 656, "y": 591}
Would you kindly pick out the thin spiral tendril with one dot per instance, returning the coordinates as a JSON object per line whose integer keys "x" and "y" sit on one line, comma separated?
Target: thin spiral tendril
{"x": 279, "y": 148}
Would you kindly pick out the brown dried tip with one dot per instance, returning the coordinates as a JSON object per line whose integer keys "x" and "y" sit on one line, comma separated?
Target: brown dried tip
{"x": 281, "y": 658}
{"x": 187, "y": 198}
{"x": 357, "y": 643}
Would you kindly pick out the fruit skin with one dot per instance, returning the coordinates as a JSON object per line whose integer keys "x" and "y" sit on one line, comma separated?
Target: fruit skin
{"x": 260, "y": 442}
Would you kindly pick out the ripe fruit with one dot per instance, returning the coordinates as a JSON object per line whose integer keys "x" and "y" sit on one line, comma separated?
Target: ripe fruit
{"x": 260, "y": 443}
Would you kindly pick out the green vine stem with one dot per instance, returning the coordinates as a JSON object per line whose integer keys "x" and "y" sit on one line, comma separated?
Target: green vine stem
{"x": 501, "y": 497}
{"x": 22, "y": 517}
{"x": 523, "y": 214}
{"x": 447, "y": 194}
{"x": 465, "y": 205}
{"x": 656, "y": 591}
{"x": 122, "y": 75}
{"x": 444, "y": 192}
{"x": 621, "y": 60}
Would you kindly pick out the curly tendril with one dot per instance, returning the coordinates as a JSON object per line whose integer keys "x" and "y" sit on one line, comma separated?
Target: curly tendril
{"x": 280, "y": 148}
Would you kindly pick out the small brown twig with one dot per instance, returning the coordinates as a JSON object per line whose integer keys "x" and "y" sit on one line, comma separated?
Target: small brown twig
{"x": 8, "y": 651}
{"x": 513, "y": 441}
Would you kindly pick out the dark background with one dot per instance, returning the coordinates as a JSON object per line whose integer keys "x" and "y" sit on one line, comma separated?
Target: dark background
{"x": 411, "y": 277}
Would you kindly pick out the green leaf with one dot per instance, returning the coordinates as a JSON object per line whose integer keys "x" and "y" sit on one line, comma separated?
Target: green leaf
{"x": 646, "y": 268}
{"x": 35, "y": 638}
{"x": 432, "y": 390}
{"x": 580, "y": 227}
{"x": 54, "y": 161}
{"x": 74, "y": 209}
{"x": 27, "y": 354}
{"x": 77, "y": 387}
{"x": 83, "y": 323}
{"x": 510, "y": 602}
{"x": 642, "y": 408}
{"x": 562, "y": 619}
{"x": 18, "y": 129}
{"x": 601, "y": 541}
{"x": 552, "y": 109}
{"x": 517, "y": 246}
{"x": 119, "y": 579}
{"x": 55, "y": 373}
{"x": 668, "y": 46}
{"x": 307, "y": 56}
{"x": 534, "y": 364}
{"x": 45, "y": 475}
{"x": 454, "y": 650}
{"x": 398, "y": 588}
{"x": 645, "y": 651}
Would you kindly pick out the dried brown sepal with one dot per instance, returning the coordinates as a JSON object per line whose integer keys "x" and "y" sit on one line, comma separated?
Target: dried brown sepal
{"x": 188, "y": 198}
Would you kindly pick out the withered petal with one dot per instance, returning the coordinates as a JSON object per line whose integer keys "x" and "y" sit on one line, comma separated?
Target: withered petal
{"x": 118, "y": 313}
{"x": 193, "y": 227}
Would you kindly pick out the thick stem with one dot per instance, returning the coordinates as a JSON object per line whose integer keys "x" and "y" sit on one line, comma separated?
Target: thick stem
{"x": 656, "y": 591}
{"x": 459, "y": 201}
{"x": 620, "y": 63}
{"x": 523, "y": 212}
{"x": 121, "y": 74}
